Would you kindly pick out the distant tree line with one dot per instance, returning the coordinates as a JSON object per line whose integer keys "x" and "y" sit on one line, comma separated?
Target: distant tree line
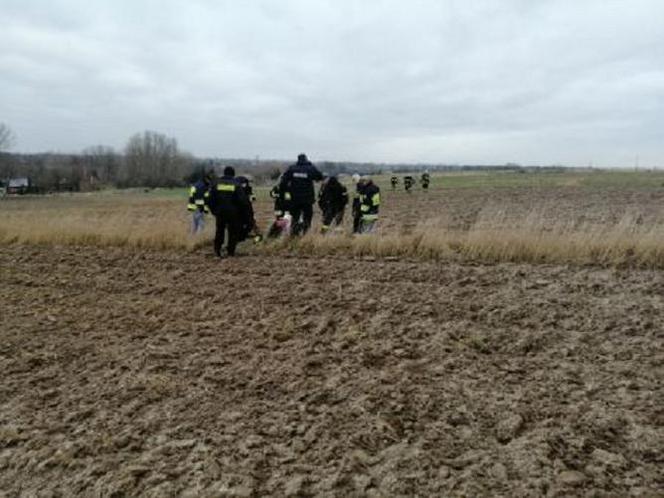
{"x": 152, "y": 159}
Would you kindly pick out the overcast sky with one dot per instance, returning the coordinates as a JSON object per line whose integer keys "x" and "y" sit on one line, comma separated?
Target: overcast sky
{"x": 445, "y": 81}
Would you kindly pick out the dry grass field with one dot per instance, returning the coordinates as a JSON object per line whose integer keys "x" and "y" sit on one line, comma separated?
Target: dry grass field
{"x": 595, "y": 217}
{"x": 498, "y": 336}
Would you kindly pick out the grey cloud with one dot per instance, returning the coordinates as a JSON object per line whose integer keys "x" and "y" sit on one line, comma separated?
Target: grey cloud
{"x": 451, "y": 81}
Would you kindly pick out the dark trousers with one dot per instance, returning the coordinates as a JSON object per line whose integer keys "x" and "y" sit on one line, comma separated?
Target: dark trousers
{"x": 333, "y": 214}
{"x": 306, "y": 211}
{"x": 231, "y": 222}
{"x": 357, "y": 216}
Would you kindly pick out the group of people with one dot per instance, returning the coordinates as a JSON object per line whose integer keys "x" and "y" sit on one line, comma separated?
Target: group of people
{"x": 409, "y": 181}
{"x": 230, "y": 198}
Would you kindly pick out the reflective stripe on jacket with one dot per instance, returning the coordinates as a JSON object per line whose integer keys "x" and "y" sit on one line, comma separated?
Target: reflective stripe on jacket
{"x": 197, "y": 195}
{"x": 369, "y": 201}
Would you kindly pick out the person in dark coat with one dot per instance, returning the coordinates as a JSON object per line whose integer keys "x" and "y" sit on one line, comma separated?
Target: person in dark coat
{"x": 332, "y": 200}
{"x": 297, "y": 185}
{"x": 355, "y": 209}
{"x": 250, "y": 229}
{"x": 229, "y": 204}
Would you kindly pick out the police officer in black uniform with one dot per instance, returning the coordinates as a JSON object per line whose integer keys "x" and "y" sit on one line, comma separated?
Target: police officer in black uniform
{"x": 297, "y": 185}
{"x": 229, "y": 204}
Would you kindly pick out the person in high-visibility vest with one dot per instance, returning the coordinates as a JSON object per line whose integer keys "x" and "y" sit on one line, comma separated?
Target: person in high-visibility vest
{"x": 369, "y": 195}
{"x": 197, "y": 205}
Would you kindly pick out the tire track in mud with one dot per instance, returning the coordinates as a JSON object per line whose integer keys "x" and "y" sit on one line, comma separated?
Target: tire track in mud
{"x": 166, "y": 374}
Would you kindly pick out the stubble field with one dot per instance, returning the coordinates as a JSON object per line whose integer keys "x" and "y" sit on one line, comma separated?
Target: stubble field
{"x": 136, "y": 371}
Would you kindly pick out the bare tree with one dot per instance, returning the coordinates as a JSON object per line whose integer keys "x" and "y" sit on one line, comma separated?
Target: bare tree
{"x": 6, "y": 137}
{"x": 102, "y": 162}
{"x": 153, "y": 160}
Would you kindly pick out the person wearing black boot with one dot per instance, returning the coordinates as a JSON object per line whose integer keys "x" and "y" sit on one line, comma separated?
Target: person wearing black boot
{"x": 232, "y": 209}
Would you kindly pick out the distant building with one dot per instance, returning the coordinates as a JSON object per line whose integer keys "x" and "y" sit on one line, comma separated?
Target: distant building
{"x": 18, "y": 185}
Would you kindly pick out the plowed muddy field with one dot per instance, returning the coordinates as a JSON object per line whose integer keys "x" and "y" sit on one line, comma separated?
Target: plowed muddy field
{"x": 167, "y": 374}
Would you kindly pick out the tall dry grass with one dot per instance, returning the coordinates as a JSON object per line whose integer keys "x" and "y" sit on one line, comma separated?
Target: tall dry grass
{"x": 498, "y": 237}
{"x": 119, "y": 221}
{"x": 495, "y": 236}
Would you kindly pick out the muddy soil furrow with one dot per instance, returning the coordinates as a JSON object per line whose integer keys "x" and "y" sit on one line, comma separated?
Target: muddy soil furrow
{"x": 165, "y": 374}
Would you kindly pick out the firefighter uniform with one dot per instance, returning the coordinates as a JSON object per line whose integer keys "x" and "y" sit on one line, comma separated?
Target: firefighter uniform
{"x": 426, "y": 179}
{"x": 369, "y": 204}
{"x": 332, "y": 200}
{"x": 231, "y": 207}
{"x": 197, "y": 205}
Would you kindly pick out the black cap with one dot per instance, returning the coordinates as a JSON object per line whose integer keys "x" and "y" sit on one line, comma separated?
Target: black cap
{"x": 302, "y": 158}
{"x": 229, "y": 171}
